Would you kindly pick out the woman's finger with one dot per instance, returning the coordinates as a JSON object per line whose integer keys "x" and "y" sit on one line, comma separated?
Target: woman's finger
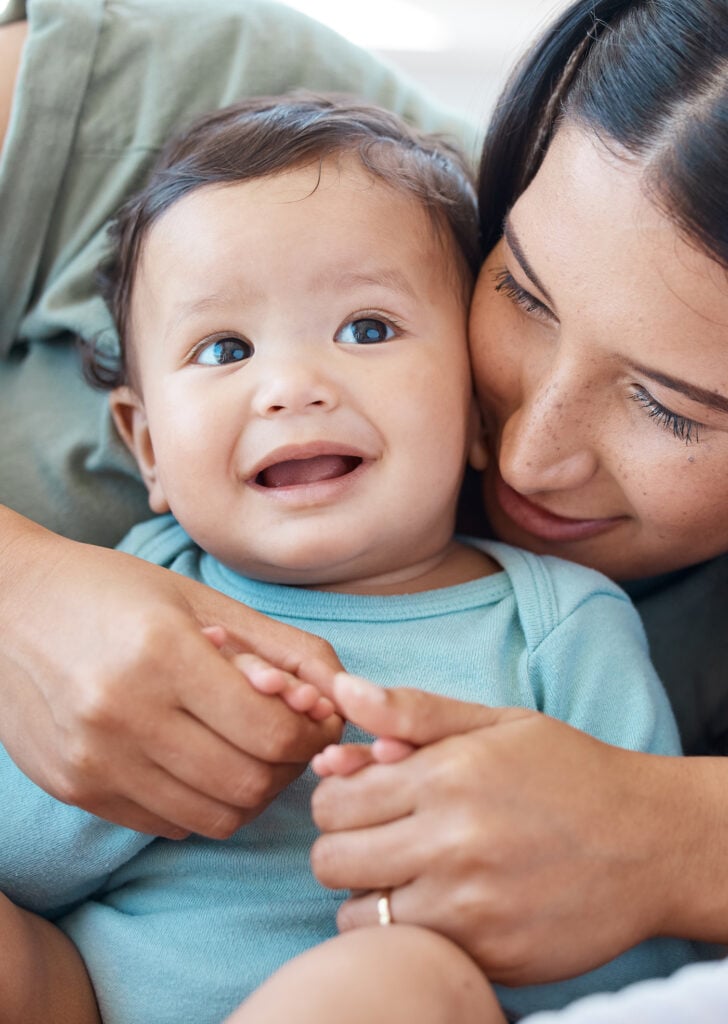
{"x": 362, "y": 910}
{"x": 413, "y": 716}
{"x": 389, "y": 751}
{"x": 371, "y": 796}
{"x": 371, "y": 858}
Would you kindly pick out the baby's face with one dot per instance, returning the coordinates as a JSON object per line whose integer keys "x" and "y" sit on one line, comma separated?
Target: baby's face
{"x": 300, "y": 346}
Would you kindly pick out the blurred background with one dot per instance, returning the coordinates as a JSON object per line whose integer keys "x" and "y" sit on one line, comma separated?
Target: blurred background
{"x": 461, "y": 50}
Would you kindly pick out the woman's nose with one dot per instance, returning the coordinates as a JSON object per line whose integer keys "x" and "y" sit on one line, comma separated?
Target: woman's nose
{"x": 295, "y": 390}
{"x": 548, "y": 443}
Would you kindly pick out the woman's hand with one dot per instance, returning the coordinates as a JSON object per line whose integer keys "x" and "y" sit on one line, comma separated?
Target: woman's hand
{"x": 113, "y": 699}
{"x": 537, "y": 849}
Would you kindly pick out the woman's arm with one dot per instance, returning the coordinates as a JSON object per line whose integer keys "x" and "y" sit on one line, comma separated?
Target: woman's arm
{"x": 112, "y": 698}
{"x": 508, "y": 828}
{"x": 12, "y": 38}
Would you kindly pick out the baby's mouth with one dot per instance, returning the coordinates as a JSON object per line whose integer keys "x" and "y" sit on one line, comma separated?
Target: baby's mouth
{"x": 295, "y": 472}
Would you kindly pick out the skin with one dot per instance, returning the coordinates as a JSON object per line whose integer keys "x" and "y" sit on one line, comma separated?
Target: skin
{"x": 537, "y": 823}
{"x": 12, "y": 39}
{"x": 420, "y": 976}
{"x": 607, "y": 384}
{"x": 41, "y": 969}
{"x": 143, "y": 669}
{"x": 254, "y": 383}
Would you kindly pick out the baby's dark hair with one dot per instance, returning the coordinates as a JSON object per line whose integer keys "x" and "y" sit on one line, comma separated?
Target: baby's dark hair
{"x": 266, "y": 135}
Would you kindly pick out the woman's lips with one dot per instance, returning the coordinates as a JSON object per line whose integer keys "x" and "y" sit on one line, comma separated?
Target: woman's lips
{"x": 546, "y": 525}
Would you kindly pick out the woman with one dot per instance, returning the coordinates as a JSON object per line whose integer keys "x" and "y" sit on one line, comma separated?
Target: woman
{"x": 610, "y": 436}
{"x": 540, "y": 831}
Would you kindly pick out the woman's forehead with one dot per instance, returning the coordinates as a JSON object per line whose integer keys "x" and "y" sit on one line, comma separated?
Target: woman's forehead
{"x": 590, "y": 213}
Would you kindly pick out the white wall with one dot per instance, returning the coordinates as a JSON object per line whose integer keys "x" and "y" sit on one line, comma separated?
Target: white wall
{"x": 460, "y": 49}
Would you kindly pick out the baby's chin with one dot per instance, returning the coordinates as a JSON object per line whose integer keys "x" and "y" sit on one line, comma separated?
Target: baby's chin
{"x": 377, "y": 572}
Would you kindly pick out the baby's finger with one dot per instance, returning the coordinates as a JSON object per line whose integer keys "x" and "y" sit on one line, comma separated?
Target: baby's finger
{"x": 304, "y": 698}
{"x": 342, "y": 759}
{"x": 301, "y": 696}
{"x": 261, "y": 675}
{"x": 217, "y": 635}
{"x": 322, "y": 709}
{"x": 387, "y": 751}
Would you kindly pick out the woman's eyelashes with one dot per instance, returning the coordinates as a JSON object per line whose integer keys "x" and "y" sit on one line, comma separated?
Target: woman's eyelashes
{"x": 506, "y": 284}
{"x": 222, "y": 351}
{"x": 366, "y": 330}
{"x": 679, "y": 426}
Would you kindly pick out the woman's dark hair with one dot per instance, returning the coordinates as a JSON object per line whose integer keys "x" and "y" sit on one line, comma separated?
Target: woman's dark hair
{"x": 263, "y": 136}
{"x": 648, "y": 75}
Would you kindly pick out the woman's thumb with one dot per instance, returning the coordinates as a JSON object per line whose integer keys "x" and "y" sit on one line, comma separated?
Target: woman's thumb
{"x": 406, "y": 714}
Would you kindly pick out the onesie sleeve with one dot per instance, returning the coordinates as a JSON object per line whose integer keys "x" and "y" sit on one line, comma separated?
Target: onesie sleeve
{"x": 53, "y": 856}
{"x": 593, "y": 670}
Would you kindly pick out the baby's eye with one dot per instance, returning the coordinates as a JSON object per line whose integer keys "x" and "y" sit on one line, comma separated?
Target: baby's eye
{"x": 367, "y": 331}
{"x": 224, "y": 351}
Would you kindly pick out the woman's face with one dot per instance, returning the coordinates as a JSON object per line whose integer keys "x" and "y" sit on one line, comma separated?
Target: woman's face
{"x": 600, "y": 346}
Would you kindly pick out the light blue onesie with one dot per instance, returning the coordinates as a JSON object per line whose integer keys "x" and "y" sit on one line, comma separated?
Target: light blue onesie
{"x": 183, "y": 931}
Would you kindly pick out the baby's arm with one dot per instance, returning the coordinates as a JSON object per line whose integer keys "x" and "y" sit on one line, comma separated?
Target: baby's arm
{"x": 42, "y": 975}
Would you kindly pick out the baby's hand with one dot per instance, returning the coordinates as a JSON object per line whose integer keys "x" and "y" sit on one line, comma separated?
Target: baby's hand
{"x": 347, "y": 758}
{"x": 303, "y": 697}
{"x": 299, "y": 696}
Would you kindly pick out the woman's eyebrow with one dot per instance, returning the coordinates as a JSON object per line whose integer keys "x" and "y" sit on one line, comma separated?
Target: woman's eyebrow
{"x": 517, "y": 249}
{"x": 711, "y": 399}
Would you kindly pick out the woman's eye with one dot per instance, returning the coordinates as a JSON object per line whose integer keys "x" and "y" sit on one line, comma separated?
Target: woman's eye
{"x": 506, "y": 284}
{"x": 679, "y": 426}
{"x": 367, "y": 331}
{"x": 224, "y": 351}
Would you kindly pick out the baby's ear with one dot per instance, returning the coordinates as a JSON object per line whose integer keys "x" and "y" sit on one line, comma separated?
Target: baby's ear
{"x": 130, "y": 417}
{"x": 477, "y": 449}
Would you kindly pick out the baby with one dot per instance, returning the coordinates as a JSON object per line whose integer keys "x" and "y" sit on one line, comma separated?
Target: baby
{"x": 291, "y": 292}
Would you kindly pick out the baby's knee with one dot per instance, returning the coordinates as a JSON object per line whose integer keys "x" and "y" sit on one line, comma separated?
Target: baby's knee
{"x": 390, "y": 975}
{"x": 445, "y": 980}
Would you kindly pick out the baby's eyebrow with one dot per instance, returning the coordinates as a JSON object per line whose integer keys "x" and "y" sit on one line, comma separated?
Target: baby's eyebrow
{"x": 390, "y": 278}
{"x": 711, "y": 399}
{"x": 516, "y": 248}
{"x": 190, "y": 307}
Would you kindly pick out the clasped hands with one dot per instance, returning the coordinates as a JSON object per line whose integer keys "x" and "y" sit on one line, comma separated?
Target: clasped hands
{"x": 503, "y": 829}
{"x": 484, "y": 824}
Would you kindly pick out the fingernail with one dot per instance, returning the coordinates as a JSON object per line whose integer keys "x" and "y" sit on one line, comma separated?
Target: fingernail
{"x": 347, "y": 685}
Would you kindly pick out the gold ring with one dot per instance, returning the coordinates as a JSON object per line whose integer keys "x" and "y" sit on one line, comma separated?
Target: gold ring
{"x": 384, "y": 908}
